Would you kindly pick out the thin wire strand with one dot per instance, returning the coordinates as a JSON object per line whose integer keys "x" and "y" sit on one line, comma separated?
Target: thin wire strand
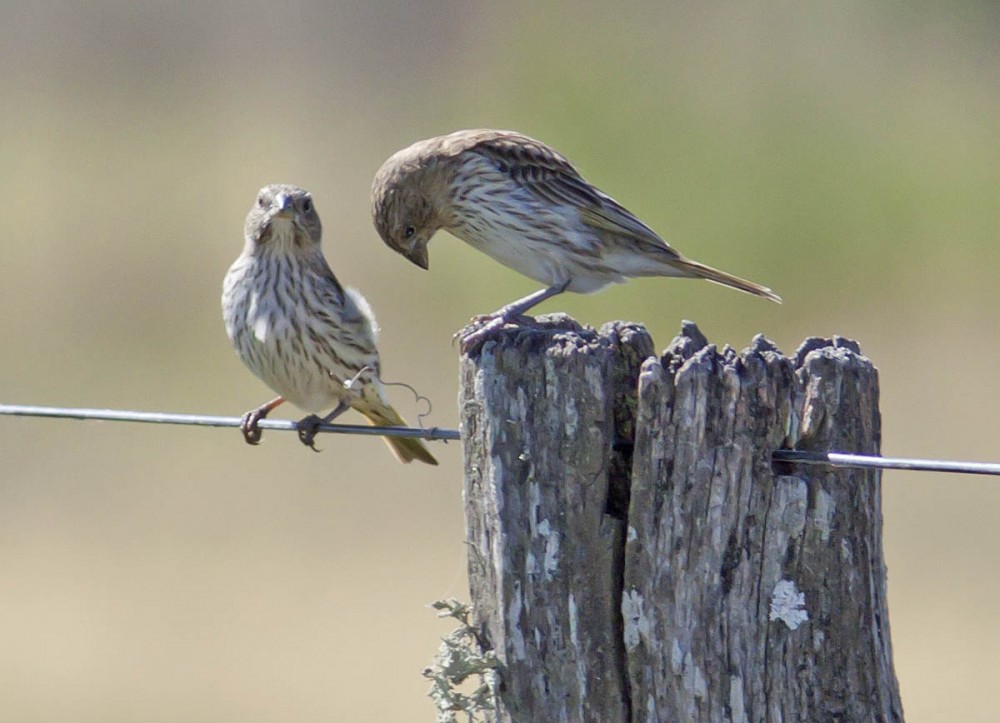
{"x": 417, "y": 396}
{"x": 200, "y": 420}
{"x": 839, "y": 459}
{"x": 789, "y": 456}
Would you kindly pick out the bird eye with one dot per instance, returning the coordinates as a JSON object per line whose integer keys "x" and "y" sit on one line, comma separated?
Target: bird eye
{"x": 261, "y": 201}
{"x": 307, "y": 205}
{"x": 409, "y": 231}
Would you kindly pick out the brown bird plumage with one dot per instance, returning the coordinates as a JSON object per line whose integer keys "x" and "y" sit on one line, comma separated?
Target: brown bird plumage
{"x": 293, "y": 324}
{"x": 524, "y": 204}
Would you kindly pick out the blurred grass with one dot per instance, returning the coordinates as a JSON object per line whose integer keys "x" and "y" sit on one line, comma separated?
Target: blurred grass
{"x": 845, "y": 155}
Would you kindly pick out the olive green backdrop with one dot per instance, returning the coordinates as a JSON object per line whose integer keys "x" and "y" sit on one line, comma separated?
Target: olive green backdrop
{"x": 846, "y": 154}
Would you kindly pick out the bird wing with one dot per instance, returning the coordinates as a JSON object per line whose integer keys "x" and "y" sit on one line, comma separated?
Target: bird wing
{"x": 366, "y": 311}
{"x": 611, "y": 217}
{"x": 343, "y": 325}
{"x": 534, "y": 165}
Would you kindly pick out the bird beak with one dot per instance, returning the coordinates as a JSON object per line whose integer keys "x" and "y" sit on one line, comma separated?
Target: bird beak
{"x": 418, "y": 255}
{"x": 284, "y": 205}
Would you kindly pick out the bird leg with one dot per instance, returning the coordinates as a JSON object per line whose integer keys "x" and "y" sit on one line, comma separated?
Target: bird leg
{"x": 484, "y": 325}
{"x": 249, "y": 421}
{"x": 517, "y": 308}
{"x": 309, "y": 426}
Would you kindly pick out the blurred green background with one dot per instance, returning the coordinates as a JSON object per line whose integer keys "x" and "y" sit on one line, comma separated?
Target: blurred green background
{"x": 846, "y": 154}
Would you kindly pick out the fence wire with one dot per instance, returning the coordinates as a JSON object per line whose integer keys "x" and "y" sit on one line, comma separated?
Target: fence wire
{"x": 786, "y": 456}
{"x": 840, "y": 459}
{"x": 201, "y": 420}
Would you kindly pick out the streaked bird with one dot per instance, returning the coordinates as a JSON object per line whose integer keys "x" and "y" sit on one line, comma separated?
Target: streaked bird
{"x": 303, "y": 334}
{"x": 525, "y": 205}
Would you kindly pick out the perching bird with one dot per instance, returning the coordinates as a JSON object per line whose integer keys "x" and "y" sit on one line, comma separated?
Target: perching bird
{"x": 293, "y": 324}
{"x": 522, "y": 203}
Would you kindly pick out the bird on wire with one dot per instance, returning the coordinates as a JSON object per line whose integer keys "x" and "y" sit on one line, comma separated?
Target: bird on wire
{"x": 303, "y": 334}
{"x": 525, "y": 205}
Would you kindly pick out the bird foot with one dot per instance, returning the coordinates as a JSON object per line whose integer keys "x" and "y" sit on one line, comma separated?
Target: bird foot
{"x": 479, "y": 330}
{"x": 249, "y": 424}
{"x": 308, "y": 428}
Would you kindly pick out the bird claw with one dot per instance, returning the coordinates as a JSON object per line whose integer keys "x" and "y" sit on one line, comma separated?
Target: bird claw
{"x": 308, "y": 428}
{"x": 249, "y": 425}
{"x": 473, "y": 336}
{"x": 481, "y": 327}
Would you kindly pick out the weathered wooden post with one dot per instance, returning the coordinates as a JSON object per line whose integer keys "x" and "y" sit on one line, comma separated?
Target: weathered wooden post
{"x": 635, "y": 556}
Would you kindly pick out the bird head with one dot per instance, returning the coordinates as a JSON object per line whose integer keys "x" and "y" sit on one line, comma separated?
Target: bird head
{"x": 283, "y": 214}
{"x": 404, "y": 211}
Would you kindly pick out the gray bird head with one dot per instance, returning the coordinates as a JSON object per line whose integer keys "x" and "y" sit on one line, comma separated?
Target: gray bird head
{"x": 403, "y": 207}
{"x": 283, "y": 215}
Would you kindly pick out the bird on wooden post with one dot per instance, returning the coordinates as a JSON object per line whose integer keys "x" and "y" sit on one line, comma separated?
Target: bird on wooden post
{"x": 525, "y": 205}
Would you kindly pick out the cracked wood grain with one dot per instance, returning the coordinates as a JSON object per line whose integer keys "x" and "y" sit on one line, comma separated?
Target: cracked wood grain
{"x": 633, "y": 556}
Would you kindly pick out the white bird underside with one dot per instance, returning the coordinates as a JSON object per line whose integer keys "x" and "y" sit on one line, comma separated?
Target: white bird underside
{"x": 308, "y": 369}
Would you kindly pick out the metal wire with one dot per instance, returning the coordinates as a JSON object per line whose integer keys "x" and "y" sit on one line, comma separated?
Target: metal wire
{"x": 839, "y": 459}
{"x": 788, "y": 456}
{"x": 200, "y": 420}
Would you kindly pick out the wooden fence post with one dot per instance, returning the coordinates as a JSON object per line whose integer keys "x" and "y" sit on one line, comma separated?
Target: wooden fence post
{"x": 634, "y": 555}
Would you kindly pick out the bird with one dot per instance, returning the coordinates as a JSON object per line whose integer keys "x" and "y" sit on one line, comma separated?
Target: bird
{"x": 293, "y": 325}
{"x": 524, "y": 204}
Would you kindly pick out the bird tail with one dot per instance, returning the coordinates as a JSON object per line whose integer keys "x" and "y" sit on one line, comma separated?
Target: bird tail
{"x": 701, "y": 271}
{"x": 405, "y": 449}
